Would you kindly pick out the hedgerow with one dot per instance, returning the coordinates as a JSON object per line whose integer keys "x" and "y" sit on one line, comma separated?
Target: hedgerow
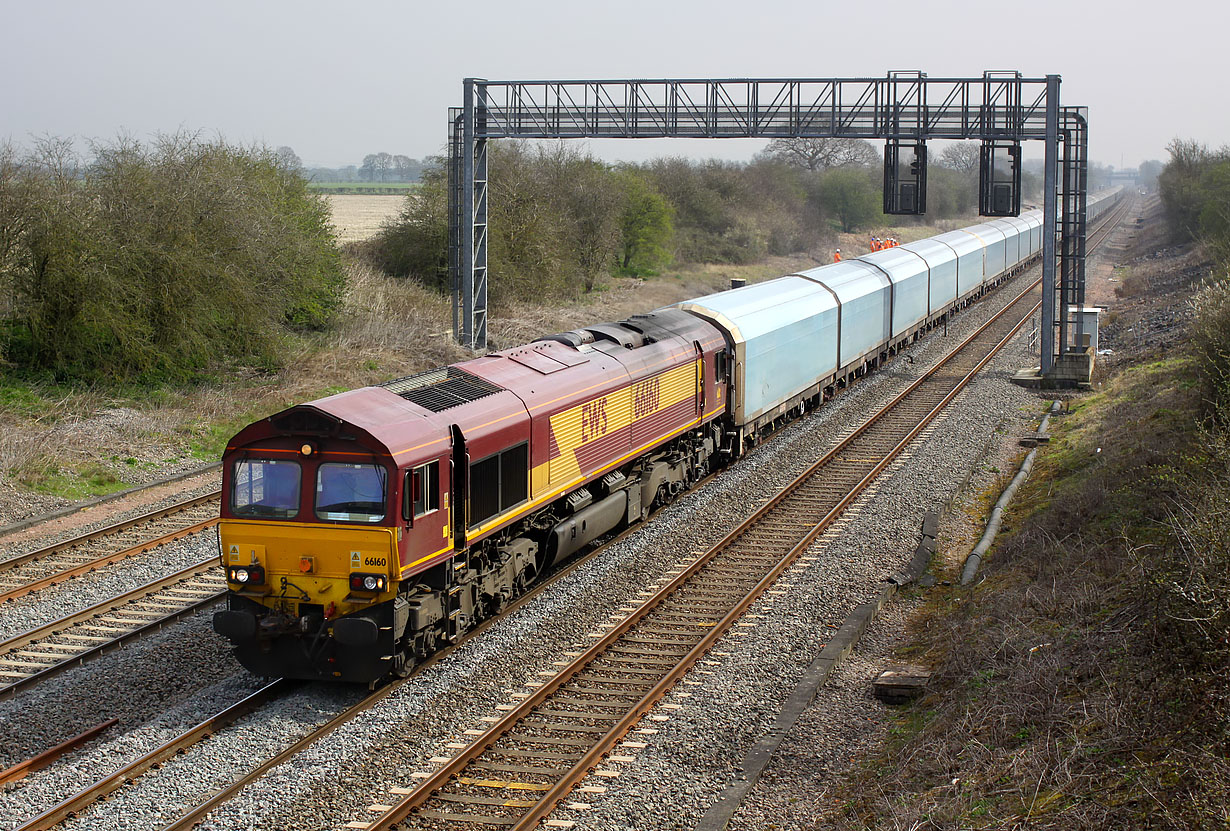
{"x": 158, "y": 261}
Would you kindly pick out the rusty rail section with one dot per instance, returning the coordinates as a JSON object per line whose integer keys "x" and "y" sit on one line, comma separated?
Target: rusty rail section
{"x": 516, "y": 773}
{"x": 42, "y": 760}
{"x": 126, "y": 774}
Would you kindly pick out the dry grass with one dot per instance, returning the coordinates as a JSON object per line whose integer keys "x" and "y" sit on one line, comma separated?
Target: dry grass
{"x": 359, "y": 216}
{"x": 1071, "y": 689}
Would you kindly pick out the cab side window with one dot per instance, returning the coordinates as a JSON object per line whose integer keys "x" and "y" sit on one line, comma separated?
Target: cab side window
{"x": 422, "y": 491}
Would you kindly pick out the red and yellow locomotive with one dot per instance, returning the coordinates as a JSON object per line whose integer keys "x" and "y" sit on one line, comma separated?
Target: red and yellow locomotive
{"x": 360, "y": 531}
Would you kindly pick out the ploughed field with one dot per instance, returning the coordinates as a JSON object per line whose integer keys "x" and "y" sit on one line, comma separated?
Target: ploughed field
{"x": 359, "y": 216}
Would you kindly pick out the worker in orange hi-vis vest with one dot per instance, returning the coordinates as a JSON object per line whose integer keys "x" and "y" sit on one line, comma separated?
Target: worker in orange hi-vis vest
{"x": 875, "y": 244}
{"x": 837, "y": 256}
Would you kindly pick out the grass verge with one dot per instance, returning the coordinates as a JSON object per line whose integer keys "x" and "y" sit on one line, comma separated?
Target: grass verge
{"x": 1083, "y": 683}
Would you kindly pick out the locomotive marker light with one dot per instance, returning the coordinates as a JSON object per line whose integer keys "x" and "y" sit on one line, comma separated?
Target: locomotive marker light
{"x": 246, "y": 575}
{"x": 367, "y": 582}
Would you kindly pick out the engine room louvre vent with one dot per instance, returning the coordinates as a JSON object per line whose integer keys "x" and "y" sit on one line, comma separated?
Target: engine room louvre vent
{"x": 299, "y": 420}
{"x": 439, "y": 389}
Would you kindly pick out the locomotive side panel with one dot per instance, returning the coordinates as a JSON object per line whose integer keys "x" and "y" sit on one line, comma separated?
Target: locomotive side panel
{"x": 593, "y": 434}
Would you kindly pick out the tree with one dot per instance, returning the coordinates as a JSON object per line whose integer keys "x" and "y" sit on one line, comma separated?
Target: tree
{"x": 851, "y": 195}
{"x": 1148, "y": 173}
{"x": 384, "y": 164}
{"x": 406, "y": 169}
{"x": 376, "y": 167}
{"x": 158, "y": 261}
{"x": 963, "y": 157}
{"x": 289, "y": 159}
{"x": 1179, "y": 185}
{"x": 822, "y": 153}
{"x": 1215, "y": 207}
{"x": 415, "y": 244}
{"x": 645, "y": 225}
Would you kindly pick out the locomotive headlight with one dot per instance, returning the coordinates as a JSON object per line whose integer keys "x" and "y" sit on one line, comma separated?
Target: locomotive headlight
{"x": 241, "y": 575}
{"x": 371, "y": 583}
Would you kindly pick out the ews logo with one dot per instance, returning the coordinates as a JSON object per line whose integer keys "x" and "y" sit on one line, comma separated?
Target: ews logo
{"x": 594, "y": 421}
{"x": 646, "y": 397}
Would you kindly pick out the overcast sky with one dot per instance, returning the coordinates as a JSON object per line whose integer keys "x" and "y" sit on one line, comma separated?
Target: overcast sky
{"x": 336, "y": 81}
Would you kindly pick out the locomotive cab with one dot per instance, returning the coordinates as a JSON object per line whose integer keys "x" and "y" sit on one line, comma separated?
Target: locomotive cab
{"x": 319, "y": 520}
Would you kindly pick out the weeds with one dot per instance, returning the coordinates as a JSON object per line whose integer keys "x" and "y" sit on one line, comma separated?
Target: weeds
{"x": 1084, "y": 683}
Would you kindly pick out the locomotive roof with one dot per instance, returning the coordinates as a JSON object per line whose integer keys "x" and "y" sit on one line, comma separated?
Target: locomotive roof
{"x": 560, "y": 370}
{"x": 489, "y": 398}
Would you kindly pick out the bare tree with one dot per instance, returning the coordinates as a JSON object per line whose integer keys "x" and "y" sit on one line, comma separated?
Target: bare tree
{"x": 376, "y": 167}
{"x": 822, "y": 153}
{"x": 962, "y": 157}
{"x": 405, "y": 168}
{"x": 289, "y": 159}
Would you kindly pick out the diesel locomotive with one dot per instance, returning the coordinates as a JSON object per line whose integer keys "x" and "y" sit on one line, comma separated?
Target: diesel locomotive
{"x": 362, "y": 531}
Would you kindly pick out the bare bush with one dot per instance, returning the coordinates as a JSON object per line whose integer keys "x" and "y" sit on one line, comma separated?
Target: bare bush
{"x": 158, "y": 261}
{"x": 1210, "y": 339}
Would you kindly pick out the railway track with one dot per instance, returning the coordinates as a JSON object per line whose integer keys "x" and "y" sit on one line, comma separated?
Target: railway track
{"x": 527, "y": 763}
{"x": 523, "y": 766}
{"x": 1102, "y": 233}
{"x": 47, "y": 566}
{"x": 32, "y": 657}
{"x": 102, "y": 788}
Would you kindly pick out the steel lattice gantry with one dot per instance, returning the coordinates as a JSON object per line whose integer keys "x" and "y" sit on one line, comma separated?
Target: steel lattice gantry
{"x": 999, "y": 106}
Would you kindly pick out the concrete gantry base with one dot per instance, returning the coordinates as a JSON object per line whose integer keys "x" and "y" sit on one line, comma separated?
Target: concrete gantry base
{"x": 1072, "y": 370}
